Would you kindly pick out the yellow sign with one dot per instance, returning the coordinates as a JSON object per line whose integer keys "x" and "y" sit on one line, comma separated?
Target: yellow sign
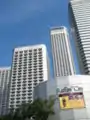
{"x": 71, "y": 100}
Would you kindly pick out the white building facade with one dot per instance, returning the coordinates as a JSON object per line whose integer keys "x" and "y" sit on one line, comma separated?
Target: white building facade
{"x": 75, "y": 89}
{"x": 61, "y": 51}
{"x": 4, "y": 89}
{"x": 79, "y": 14}
{"x": 29, "y": 68}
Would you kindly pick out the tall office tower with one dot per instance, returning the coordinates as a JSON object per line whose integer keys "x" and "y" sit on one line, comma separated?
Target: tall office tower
{"x": 29, "y": 68}
{"x": 61, "y": 51}
{"x": 79, "y": 14}
{"x": 4, "y": 89}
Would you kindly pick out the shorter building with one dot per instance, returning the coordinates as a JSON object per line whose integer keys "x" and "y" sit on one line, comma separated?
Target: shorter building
{"x": 29, "y": 68}
{"x": 4, "y": 89}
{"x": 72, "y": 97}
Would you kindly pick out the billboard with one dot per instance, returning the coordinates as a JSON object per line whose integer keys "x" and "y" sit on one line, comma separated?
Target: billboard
{"x": 71, "y": 99}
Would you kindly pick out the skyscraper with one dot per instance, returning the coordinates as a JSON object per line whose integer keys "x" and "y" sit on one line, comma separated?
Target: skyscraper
{"x": 61, "y": 52}
{"x": 4, "y": 89}
{"x": 79, "y": 15}
{"x": 29, "y": 68}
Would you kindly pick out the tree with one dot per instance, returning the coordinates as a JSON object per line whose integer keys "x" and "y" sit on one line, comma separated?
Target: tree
{"x": 37, "y": 110}
{"x": 42, "y": 108}
{"x": 23, "y": 112}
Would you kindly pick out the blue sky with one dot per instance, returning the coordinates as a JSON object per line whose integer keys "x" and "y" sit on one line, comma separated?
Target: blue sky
{"x": 27, "y": 22}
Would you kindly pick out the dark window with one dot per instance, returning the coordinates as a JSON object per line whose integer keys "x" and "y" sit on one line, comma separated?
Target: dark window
{"x": 23, "y": 94}
{"x": 12, "y": 98}
{"x": 18, "y": 95}
{"x": 18, "y": 88}
{"x": 24, "y": 88}
{"x": 23, "y": 97}
{"x": 12, "y": 95}
{"x": 18, "y": 98}
{"x": 40, "y": 49}
{"x": 17, "y": 101}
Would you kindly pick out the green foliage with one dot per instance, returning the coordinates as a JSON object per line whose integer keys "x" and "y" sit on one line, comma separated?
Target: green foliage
{"x": 37, "y": 110}
{"x": 42, "y": 109}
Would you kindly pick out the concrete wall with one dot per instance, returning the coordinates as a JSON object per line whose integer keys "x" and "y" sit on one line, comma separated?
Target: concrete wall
{"x": 48, "y": 88}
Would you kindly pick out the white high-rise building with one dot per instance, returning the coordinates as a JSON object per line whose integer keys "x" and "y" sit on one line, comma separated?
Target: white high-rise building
{"x": 29, "y": 68}
{"x": 79, "y": 14}
{"x": 61, "y": 52}
{"x": 4, "y": 89}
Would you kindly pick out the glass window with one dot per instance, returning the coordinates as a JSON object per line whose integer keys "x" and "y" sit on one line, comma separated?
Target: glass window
{"x": 30, "y": 84}
{"x": 18, "y": 88}
{"x": 18, "y": 94}
{"x": 23, "y": 91}
{"x": 12, "y": 98}
{"x": 40, "y": 49}
{"x": 24, "y": 88}
{"x": 30, "y": 50}
{"x": 23, "y": 97}
{"x": 25, "y": 51}
{"x": 17, "y": 101}
{"x": 11, "y": 106}
{"x": 29, "y": 97}
{"x": 17, "y": 98}
{"x": 23, "y": 94}
{"x": 12, "y": 95}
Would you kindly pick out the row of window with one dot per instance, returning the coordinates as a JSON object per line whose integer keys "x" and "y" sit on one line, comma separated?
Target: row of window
{"x": 24, "y": 66}
{"x": 4, "y": 75}
{"x": 23, "y": 56}
{"x": 23, "y": 98}
{"x": 29, "y": 56}
{"x": 28, "y": 68}
{"x": 4, "y": 72}
{"x": 29, "y": 86}
{"x": 19, "y": 81}
{"x": 17, "y": 105}
{"x": 25, "y": 72}
{"x": 29, "y": 98}
{"x": 25, "y": 51}
{"x": 12, "y": 102}
{"x": 28, "y": 75}
{"x": 24, "y": 85}
{"x": 19, "y": 85}
{"x": 19, "y": 94}
{"x": 27, "y": 80}
{"x": 28, "y": 61}
{"x": 25, "y": 63}
{"x": 22, "y": 91}
{"x": 28, "y": 53}
{"x": 24, "y": 82}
